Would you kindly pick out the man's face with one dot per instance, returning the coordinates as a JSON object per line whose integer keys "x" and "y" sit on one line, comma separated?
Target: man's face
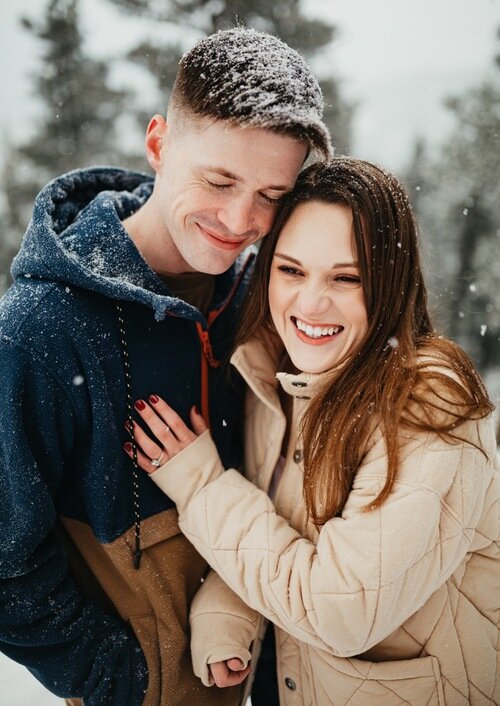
{"x": 217, "y": 190}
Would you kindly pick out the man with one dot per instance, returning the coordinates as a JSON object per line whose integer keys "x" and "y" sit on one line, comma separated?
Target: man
{"x": 125, "y": 285}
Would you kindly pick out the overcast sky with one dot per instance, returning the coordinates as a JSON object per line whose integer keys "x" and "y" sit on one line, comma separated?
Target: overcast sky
{"x": 397, "y": 59}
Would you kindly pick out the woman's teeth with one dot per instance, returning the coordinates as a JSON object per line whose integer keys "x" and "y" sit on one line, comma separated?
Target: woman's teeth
{"x": 316, "y": 331}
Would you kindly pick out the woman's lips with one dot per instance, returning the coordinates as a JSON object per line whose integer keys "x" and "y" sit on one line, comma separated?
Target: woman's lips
{"x": 315, "y": 334}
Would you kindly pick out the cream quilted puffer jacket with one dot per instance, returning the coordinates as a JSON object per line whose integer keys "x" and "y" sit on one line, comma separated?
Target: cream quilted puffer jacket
{"x": 400, "y": 605}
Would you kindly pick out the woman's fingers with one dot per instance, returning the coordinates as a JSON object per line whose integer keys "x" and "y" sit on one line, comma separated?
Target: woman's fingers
{"x": 223, "y": 676}
{"x": 235, "y": 664}
{"x": 143, "y": 461}
{"x": 170, "y": 418}
{"x": 144, "y": 442}
{"x": 170, "y": 432}
{"x": 199, "y": 425}
{"x": 156, "y": 424}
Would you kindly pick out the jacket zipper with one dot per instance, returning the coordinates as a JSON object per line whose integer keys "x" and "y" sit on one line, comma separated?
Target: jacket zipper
{"x": 208, "y": 359}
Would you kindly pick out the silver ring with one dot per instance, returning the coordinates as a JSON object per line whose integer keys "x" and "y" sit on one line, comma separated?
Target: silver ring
{"x": 156, "y": 462}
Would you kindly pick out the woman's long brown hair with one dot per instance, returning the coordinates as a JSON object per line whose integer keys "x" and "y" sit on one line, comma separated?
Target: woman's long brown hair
{"x": 395, "y": 378}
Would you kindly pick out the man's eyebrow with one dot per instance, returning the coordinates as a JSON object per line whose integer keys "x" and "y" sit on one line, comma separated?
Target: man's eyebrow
{"x": 282, "y": 256}
{"x": 229, "y": 175}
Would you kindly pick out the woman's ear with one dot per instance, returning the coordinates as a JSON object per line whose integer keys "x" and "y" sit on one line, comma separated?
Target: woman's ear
{"x": 155, "y": 141}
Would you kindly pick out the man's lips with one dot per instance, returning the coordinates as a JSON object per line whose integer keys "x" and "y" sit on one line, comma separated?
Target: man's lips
{"x": 219, "y": 241}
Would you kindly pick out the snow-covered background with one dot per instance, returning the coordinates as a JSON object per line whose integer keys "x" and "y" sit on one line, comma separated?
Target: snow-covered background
{"x": 397, "y": 59}
{"x": 19, "y": 688}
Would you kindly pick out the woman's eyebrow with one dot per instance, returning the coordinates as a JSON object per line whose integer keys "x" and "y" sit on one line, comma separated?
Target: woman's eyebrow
{"x": 287, "y": 257}
{"x": 353, "y": 263}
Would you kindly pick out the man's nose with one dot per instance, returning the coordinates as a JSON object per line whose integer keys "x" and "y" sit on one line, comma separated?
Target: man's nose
{"x": 238, "y": 215}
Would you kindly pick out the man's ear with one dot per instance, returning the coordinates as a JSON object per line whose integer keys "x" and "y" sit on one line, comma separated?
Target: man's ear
{"x": 155, "y": 141}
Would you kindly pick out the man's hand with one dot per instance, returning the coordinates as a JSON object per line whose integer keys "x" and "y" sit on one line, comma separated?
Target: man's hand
{"x": 228, "y": 673}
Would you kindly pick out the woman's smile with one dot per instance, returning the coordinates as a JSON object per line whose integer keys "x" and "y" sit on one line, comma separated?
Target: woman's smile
{"x": 314, "y": 333}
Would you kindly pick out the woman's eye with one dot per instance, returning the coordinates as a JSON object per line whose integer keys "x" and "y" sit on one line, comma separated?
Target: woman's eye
{"x": 348, "y": 279}
{"x": 287, "y": 270}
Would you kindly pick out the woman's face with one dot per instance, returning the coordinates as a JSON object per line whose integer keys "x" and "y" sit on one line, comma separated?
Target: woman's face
{"x": 315, "y": 293}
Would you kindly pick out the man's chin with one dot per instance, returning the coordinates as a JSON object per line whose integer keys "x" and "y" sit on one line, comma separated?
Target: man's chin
{"x": 216, "y": 268}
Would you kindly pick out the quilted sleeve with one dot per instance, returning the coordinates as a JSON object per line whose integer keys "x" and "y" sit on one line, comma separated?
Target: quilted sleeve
{"x": 369, "y": 571}
{"x": 222, "y": 626}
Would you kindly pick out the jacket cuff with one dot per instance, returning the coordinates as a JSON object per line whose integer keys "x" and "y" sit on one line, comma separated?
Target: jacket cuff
{"x": 217, "y": 637}
{"x": 190, "y": 470}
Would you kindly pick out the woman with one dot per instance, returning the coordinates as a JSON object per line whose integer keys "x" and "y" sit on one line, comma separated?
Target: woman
{"x": 366, "y": 528}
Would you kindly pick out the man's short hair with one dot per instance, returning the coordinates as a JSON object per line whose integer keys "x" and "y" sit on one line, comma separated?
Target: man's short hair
{"x": 253, "y": 79}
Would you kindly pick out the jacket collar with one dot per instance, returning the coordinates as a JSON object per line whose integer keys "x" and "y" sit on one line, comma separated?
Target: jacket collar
{"x": 301, "y": 385}
{"x": 258, "y": 362}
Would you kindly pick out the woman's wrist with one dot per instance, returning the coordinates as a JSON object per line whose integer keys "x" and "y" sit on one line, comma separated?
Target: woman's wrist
{"x": 183, "y": 475}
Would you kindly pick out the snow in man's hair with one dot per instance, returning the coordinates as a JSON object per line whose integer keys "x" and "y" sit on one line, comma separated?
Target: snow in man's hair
{"x": 253, "y": 78}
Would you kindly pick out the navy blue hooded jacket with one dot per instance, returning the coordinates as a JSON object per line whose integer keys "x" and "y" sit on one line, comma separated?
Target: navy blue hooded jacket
{"x": 72, "y": 607}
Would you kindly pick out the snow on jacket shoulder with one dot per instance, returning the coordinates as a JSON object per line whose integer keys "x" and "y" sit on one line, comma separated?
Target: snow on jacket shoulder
{"x": 397, "y": 605}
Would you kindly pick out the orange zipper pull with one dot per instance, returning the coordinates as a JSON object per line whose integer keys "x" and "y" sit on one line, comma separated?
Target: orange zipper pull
{"x": 207, "y": 347}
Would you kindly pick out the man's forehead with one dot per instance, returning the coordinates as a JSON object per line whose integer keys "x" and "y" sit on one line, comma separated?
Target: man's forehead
{"x": 262, "y": 157}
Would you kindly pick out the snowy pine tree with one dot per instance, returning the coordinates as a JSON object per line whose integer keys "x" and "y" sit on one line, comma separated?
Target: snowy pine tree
{"x": 459, "y": 213}
{"x": 77, "y": 124}
{"x": 80, "y": 109}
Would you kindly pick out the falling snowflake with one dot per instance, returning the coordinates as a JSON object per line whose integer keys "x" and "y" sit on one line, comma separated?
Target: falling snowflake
{"x": 224, "y": 423}
{"x": 473, "y": 287}
{"x": 483, "y": 329}
{"x": 465, "y": 211}
{"x": 393, "y": 342}
{"x": 78, "y": 380}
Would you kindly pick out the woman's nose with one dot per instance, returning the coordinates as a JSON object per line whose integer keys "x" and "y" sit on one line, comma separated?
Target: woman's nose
{"x": 314, "y": 300}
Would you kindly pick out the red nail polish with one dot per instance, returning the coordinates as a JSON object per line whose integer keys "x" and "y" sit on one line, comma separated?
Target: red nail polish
{"x": 128, "y": 446}
{"x": 140, "y": 405}
{"x": 154, "y": 399}
{"x": 196, "y": 410}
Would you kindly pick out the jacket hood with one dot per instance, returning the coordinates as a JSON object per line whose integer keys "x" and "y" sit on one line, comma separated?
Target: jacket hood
{"x": 76, "y": 237}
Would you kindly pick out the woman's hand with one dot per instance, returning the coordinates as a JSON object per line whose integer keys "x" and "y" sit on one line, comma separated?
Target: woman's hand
{"x": 228, "y": 673}
{"x": 168, "y": 428}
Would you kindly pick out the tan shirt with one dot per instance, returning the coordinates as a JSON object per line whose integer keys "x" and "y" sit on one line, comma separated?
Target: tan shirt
{"x": 195, "y": 288}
